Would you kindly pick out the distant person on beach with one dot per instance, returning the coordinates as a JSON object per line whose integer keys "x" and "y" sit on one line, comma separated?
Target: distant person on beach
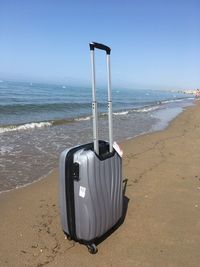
{"x": 197, "y": 94}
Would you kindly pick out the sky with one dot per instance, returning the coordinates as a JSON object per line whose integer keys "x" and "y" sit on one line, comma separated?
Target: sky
{"x": 155, "y": 43}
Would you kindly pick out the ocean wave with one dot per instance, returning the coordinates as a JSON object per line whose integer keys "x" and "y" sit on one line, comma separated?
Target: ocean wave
{"x": 146, "y": 109}
{"x": 137, "y": 110}
{"x": 121, "y": 113}
{"x": 172, "y": 100}
{"x": 83, "y": 118}
{"x": 22, "y": 108}
{"x": 23, "y": 127}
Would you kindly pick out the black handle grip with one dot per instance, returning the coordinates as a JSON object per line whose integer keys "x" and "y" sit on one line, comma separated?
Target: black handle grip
{"x": 94, "y": 45}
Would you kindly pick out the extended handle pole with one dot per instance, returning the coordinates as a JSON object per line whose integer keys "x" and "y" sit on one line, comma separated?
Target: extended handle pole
{"x": 110, "y": 119}
{"x": 94, "y": 106}
{"x": 94, "y": 102}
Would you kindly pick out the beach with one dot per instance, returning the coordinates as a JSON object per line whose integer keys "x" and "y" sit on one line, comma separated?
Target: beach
{"x": 162, "y": 197}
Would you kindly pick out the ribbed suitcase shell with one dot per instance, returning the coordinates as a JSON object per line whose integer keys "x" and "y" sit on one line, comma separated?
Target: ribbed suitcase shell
{"x": 99, "y": 207}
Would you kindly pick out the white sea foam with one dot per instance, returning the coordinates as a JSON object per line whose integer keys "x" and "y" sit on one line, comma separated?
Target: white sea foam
{"x": 147, "y": 109}
{"x": 140, "y": 110}
{"x": 172, "y": 101}
{"x": 23, "y": 127}
{"x": 120, "y": 113}
{"x": 83, "y": 118}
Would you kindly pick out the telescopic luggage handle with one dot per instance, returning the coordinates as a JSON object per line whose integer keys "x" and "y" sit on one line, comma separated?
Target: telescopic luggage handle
{"x": 94, "y": 45}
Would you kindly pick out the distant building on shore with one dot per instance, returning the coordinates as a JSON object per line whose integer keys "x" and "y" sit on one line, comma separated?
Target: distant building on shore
{"x": 190, "y": 91}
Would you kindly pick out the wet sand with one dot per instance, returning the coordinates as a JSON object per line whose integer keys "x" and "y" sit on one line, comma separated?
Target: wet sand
{"x": 162, "y": 223}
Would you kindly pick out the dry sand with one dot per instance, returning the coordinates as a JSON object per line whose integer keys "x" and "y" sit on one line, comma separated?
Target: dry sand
{"x": 162, "y": 224}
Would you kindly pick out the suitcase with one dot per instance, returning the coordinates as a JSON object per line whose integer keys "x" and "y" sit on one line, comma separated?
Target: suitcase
{"x": 91, "y": 197}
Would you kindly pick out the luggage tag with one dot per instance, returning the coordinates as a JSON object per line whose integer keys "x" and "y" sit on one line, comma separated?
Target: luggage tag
{"x": 118, "y": 149}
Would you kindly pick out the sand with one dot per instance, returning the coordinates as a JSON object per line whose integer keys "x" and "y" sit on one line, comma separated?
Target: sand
{"x": 162, "y": 223}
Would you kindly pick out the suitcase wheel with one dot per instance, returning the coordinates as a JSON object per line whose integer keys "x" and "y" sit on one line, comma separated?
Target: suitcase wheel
{"x": 92, "y": 248}
{"x": 69, "y": 237}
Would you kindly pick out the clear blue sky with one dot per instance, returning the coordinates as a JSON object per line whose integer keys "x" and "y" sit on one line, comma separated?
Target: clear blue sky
{"x": 155, "y": 43}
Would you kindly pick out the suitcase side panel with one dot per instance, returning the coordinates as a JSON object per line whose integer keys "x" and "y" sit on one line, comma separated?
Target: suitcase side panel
{"x": 62, "y": 189}
{"x": 66, "y": 188}
{"x": 98, "y": 194}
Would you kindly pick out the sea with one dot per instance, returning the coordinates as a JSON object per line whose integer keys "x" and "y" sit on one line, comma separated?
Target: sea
{"x": 38, "y": 121}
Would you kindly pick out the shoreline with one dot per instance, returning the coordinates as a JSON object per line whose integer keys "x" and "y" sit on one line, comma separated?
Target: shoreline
{"x": 26, "y": 155}
{"x": 161, "y": 227}
{"x": 28, "y": 184}
{"x": 160, "y": 126}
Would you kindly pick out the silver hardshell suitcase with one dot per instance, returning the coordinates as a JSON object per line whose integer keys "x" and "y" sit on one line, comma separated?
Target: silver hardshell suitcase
{"x": 91, "y": 197}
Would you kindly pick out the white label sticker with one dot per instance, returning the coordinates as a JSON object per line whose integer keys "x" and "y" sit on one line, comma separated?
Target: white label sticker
{"x": 82, "y": 191}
